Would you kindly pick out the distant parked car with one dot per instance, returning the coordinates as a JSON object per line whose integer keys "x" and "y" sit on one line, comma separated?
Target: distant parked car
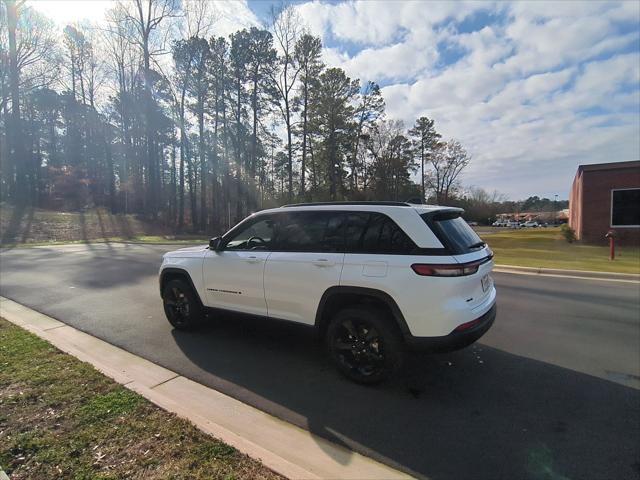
{"x": 499, "y": 223}
{"x": 513, "y": 225}
{"x": 531, "y": 224}
{"x": 472, "y": 224}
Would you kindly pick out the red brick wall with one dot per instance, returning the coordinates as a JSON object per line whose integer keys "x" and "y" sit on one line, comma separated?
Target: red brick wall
{"x": 575, "y": 205}
{"x": 595, "y": 218}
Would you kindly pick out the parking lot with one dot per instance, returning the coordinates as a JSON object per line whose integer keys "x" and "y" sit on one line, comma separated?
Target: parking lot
{"x": 550, "y": 392}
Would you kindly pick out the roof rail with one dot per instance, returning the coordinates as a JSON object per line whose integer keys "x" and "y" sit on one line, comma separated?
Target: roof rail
{"x": 320, "y": 204}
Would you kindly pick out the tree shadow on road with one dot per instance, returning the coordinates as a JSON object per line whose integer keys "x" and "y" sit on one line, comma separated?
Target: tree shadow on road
{"x": 18, "y": 227}
{"x": 477, "y": 413}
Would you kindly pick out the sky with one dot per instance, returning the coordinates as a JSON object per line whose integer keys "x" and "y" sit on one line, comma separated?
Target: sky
{"x": 531, "y": 89}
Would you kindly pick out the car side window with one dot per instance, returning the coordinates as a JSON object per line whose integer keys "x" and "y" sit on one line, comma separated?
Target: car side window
{"x": 311, "y": 232}
{"x": 356, "y": 229}
{"x": 334, "y": 234}
{"x": 376, "y": 233}
{"x": 257, "y": 236}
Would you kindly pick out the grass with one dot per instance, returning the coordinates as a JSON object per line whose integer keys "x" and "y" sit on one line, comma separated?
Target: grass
{"x": 545, "y": 247}
{"x": 61, "y": 418}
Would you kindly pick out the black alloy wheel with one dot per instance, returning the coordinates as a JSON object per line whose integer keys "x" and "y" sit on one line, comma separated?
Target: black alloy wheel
{"x": 363, "y": 345}
{"x": 181, "y": 306}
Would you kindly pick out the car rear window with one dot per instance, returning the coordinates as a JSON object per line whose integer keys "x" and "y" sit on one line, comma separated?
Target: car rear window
{"x": 452, "y": 230}
{"x": 376, "y": 233}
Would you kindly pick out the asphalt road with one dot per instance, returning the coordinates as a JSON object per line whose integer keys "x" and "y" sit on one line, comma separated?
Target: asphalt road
{"x": 550, "y": 392}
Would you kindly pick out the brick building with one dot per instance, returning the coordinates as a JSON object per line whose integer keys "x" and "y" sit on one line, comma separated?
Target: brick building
{"x": 606, "y": 196}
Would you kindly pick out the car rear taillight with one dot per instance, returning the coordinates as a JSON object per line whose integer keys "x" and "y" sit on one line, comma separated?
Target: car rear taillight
{"x": 466, "y": 326}
{"x": 448, "y": 270}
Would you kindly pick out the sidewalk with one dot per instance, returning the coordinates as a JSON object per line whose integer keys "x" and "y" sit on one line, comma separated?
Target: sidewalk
{"x": 288, "y": 450}
{"x": 556, "y": 272}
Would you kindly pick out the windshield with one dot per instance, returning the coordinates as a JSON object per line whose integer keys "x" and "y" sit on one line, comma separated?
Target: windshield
{"x": 454, "y": 232}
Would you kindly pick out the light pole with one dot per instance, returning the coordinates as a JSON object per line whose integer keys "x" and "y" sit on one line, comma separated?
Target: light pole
{"x": 555, "y": 209}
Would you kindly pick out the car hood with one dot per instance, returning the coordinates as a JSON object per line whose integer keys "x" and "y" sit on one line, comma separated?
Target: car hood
{"x": 197, "y": 251}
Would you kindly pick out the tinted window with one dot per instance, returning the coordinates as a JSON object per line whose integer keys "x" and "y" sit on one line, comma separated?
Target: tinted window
{"x": 454, "y": 232}
{"x": 625, "y": 209}
{"x": 257, "y": 236}
{"x": 376, "y": 233}
{"x": 311, "y": 232}
{"x": 334, "y": 234}
{"x": 356, "y": 229}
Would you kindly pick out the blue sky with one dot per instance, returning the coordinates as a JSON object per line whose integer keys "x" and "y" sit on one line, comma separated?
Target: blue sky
{"x": 531, "y": 89}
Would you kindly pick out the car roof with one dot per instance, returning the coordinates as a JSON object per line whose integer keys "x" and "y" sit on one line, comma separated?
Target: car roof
{"x": 403, "y": 214}
{"x": 382, "y": 207}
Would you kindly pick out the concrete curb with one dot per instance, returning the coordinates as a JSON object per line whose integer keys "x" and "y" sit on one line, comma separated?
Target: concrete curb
{"x": 556, "y": 272}
{"x": 285, "y": 448}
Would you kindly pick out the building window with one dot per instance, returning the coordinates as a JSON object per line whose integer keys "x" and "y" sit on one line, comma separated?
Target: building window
{"x": 625, "y": 207}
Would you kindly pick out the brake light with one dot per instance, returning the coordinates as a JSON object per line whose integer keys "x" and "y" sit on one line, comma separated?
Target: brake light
{"x": 448, "y": 270}
{"x": 466, "y": 326}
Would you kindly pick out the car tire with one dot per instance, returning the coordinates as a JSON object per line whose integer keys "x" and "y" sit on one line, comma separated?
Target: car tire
{"x": 364, "y": 345}
{"x": 181, "y": 304}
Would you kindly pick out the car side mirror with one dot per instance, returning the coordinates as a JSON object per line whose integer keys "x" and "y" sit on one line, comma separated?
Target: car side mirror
{"x": 215, "y": 243}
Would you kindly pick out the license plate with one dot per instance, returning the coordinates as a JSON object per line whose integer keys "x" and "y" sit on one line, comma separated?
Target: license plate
{"x": 486, "y": 282}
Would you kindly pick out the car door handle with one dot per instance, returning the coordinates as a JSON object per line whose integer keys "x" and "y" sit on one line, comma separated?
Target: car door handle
{"x": 323, "y": 262}
{"x": 253, "y": 259}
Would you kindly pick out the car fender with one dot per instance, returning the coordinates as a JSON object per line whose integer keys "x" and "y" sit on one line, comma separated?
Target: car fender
{"x": 192, "y": 273}
{"x": 366, "y": 292}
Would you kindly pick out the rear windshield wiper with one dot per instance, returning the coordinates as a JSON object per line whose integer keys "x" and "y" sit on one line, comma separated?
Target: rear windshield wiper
{"x": 477, "y": 245}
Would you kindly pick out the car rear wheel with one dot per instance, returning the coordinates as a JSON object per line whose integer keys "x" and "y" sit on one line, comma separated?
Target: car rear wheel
{"x": 181, "y": 304}
{"x": 364, "y": 345}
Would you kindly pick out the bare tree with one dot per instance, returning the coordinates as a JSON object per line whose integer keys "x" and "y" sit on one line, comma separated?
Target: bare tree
{"x": 447, "y": 163}
{"x": 286, "y": 25}
{"x": 199, "y": 18}
{"x": 146, "y": 18}
{"x": 31, "y": 49}
{"x": 123, "y": 60}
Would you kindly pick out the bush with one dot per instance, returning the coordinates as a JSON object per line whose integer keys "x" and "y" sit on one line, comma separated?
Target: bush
{"x": 568, "y": 233}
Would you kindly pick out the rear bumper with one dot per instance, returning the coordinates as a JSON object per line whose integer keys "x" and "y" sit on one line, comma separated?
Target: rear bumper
{"x": 455, "y": 340}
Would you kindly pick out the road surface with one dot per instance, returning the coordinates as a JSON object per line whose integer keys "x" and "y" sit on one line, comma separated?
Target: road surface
{"x": 550, "y": 392}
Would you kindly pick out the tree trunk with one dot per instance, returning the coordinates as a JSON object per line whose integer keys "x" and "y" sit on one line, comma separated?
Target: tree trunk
{"x": 174, "y": 187}
{"x": 150, "y": 206}
{"x": 203, "y": 164}
{"x": 16, "y": 149}
{"x": 304, "y": 138}
{"x": 289, "y": 149}
{"x": 182, "y": 162}
{"x": 422, "y": 166}
{"x": 111, "y": 173}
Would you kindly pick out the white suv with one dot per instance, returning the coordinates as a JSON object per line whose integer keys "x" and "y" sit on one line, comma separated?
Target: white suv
{"x": 374, "y": 278}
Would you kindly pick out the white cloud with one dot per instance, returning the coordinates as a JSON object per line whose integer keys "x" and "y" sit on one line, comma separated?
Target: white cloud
{"x": 534, "y": 94}
{"x": 63, "y": 12}
{"x": 232, "y": 15}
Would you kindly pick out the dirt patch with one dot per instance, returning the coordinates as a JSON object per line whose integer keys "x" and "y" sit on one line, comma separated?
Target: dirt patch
{"x": 29, "y": 225}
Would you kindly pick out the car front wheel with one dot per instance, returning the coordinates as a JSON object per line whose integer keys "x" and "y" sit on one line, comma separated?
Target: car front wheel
{"x": 364, "y": 345}
{"x": 181, "y": 304}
